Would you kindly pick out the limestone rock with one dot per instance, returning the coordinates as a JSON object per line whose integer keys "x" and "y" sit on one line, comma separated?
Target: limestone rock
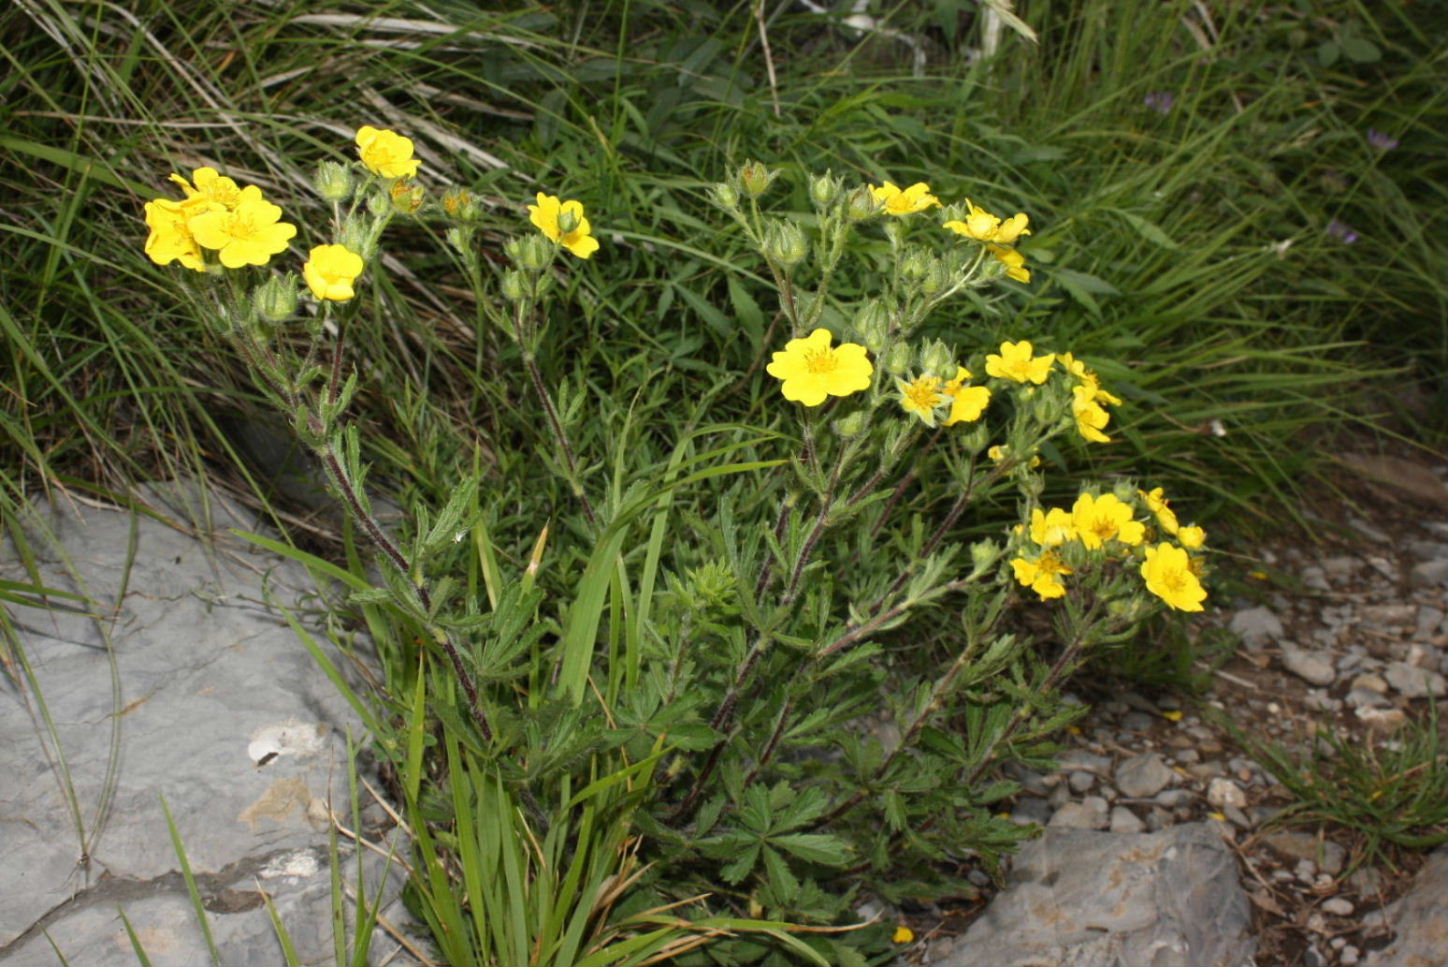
{"x": 216, "y": 706}
{"x": 1419, "y": 920}
{"x": 1076, "y": 897}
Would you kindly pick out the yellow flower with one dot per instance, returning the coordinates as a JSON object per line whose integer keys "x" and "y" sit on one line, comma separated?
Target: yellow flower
{"x": 563, "y": 222}
{"x": 1041, "y": 574}
{"x": 1192, "y": 536}
{"x": 170, "y": 238}
{"x": 331, "y": 270}
{"x": 1016, "y": 362}
{"x": 904, "y": 201}
{"x": 967, "y": 403}
{"x": 1156, "y": 502}
{"x": 1052, "y": 528}
{"x": 903, "y": 934}
{"x": 1000, "y": 452}
{"x": 386, "y": 153}
{"x": 1168, "y": 575}
{"x": 1091, "y": 417}
{"x": 1100, "y": 519}
{"x": 210, "y": 187}
{"x": 249, "y": 234}
{"x": 1014, "y": 262}
{"x": 811, "y": 370}
{"x": 982, "y": 226}
{"x": 921, "y": 396}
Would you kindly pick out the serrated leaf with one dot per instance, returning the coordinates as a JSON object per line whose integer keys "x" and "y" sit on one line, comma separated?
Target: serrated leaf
{"x": 781, "y": 880}
{"x": 734, "y": 872}
{"x": 822, "y": 848}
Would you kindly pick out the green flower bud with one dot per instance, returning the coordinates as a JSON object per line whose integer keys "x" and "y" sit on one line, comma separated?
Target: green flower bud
{"x": 861, "y": 204}
{"x": 983, "y": 555}
{"x": 567, "y": 220}
{"x": 725, "y": 196}
{"x": 333, "y": 181}
{"x": 515, "y": 285}
{"x": 354, "y": 235}
{"x": 872, "y": 323}
{"x": 824, "y": 189}
{"x": 785, "y": 243}
{"x": 936, "y": 277}
{"x": 849, "y": 427}
{"x": 379, "y": 203}
{"x": 899, "y": 359}
{"x": 276, "y": 298}
{"x": 1125, "y": 491}
{"x": 755, "y": 178}
{"x": 914, "y": 265}
{"x": 975, "y": 439}
{"x": 529, "y": 252}
{"x": 459, "y": 239}
{"x": 938, "y": 360}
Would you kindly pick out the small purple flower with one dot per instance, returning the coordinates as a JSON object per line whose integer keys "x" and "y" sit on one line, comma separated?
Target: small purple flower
{"x": 1159, "y": 101}
{"x": 1380, "y": 140}
{"x": 1342, "y": 232}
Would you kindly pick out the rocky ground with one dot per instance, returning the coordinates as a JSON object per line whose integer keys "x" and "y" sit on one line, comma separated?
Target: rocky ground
{"x": 1347, "y": 636}
{"x": 1166, "y": 839}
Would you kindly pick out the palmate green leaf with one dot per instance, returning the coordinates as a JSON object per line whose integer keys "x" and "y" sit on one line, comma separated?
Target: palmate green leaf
{"x": 823, "y": 848}
{"x": 782, "y": 882}
{"x": 736, "y": 871}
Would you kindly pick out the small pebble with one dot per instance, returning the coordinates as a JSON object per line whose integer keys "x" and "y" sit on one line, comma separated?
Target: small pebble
{"x": 1338, "y": 907}
{"x": 1143, "y": 775}
{"x": 1081, "y": 781}
{"x": 1349, "y": 956}
{"x": 1222, "y": 793}
{"x": 1123, "y": 820}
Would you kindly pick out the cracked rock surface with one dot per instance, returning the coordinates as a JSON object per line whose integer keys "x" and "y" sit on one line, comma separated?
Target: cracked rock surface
{"x": 179, "y": 681}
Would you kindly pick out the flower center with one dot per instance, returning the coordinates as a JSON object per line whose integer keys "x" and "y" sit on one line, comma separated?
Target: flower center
{"x": 820, "y": 361}
{"x": 922, "y": 393}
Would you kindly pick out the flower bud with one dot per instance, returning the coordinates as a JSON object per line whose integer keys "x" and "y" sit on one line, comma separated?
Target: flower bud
{"x": 276, "y": 298}
{"x": 850, "y": 426}
{"x": 333, "y": 181}
{"x": 936, "y": 277}
{"x": 515, "y": 285}
{"x": 898, "y": 359}
{"x": 1125, "y": 491}
{"x": 975, "y": 440}
{"x": 983, "y": 555}
{"x": 755, "y": 178}
{"x": 354, "y": 236}
{"x": 785, "y": 243}
{"x": 529, "y": 252}
{"x": 568, "y": 221}
{"x": 379, "y": 203}
{"x": 861, "y": 204}
{"x": 872, "y": 323}
{"x": 459, "y": 239}
{"x": 725, "y": 196}
{"x": 914, "y": 265}
{"x": 824, "y": 189}
{"x": 938, "y": 360}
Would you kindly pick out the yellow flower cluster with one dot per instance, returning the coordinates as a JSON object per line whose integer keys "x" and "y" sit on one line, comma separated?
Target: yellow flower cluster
{"x": 237, "y": 223}
{"x": 243, "y": 228}
{"x": 924, "y": 395}
{"x": 1106, "y": 524}
{"x": 997, "y": 234}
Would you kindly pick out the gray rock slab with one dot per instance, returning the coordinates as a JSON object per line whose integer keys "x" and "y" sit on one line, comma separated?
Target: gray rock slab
{"x": 1419, "y": 920}
{"x": 189, "y": 686}
{"x": 1078, "y": 897}
{"x": 1311, "y": 666}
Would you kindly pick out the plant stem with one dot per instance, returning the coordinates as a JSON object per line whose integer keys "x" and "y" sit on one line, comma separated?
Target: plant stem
{"x": 531, "y": 362}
